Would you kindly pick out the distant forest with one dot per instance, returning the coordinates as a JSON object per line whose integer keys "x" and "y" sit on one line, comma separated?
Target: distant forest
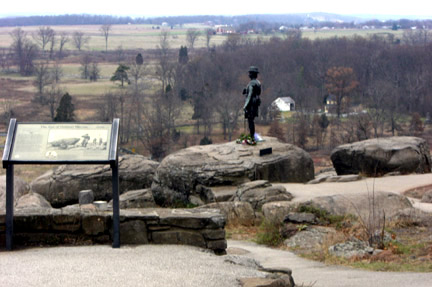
{"x": 291, "y": 20}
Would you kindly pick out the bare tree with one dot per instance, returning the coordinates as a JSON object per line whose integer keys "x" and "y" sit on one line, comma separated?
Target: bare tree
{"x": 43, "y": 36}
{"x": 64, "y": 38}
{"x": 209, "y": 34}
{"x": 154, "y": 130}
{"x": 108, "y": 108}
{"x": 7, "y": 109}
{"x": 56, "y": 72}
{"x": 94, "y": 73}
{"x": 229, "y": 109}
{"x": 341, "y": 81}
{"x": 5, "y": 59}
{"x": 42, "y": 77}
{"x": 24, "y": 51}
{"x": 80, "y": 39}
{"x": 85, "y": 66}
{"x": 54, "y": 94}
{"x": 52, "y": 44}
{"x": 164, "y": 68}
{"x": 105, "y": 30}
{"x": 191, "y": 36}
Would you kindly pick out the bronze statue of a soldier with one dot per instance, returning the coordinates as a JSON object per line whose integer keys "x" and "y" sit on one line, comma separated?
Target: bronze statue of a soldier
{"x": 252, "y": 93}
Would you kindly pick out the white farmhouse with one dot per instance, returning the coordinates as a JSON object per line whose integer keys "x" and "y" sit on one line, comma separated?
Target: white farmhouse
{"x": 284, "y": 104}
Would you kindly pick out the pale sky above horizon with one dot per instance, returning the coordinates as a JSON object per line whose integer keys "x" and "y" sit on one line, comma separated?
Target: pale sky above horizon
{"x": 218, "y": 7}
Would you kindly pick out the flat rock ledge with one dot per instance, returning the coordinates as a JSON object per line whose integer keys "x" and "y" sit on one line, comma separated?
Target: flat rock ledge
{"x": 203, "y": 228}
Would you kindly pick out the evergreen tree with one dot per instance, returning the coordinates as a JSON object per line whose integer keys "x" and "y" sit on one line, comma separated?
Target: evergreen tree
{"x": 139, "y": 59}
{"x": 183, "y": 55}
{"x": 65, "y": 110}
{"x": 121, "y": 74}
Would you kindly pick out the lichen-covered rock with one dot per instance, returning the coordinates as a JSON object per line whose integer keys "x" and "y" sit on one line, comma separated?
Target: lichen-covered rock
{"x": 180, "y": 173}
{"x": 311, "y": 238}
{"x": 32, "y": 200}
{"x": 379, "y": 156}
{"x": 350, "y": 248}
{"x": 260, "y": 192}
{"x": 62, "y": 185}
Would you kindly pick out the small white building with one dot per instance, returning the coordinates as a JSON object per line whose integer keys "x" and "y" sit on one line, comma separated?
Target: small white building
{"x": 284, "y": 104}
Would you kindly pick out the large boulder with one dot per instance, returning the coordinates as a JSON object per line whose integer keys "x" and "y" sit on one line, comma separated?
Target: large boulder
{"x": 363, "y": 204}
{"x": 383, "y": 155}
{"x": 32, "y": 200}
{"x": 62, "y": 185}
{"x": 20, "y": 188}
{"x": 180, "y": 173}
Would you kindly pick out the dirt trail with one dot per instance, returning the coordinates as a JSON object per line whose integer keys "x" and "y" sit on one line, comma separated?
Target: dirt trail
{"x": 316, "y": 274}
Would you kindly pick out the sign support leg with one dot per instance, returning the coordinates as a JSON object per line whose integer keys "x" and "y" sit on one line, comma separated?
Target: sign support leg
{"x": 9, "y": 205}
{"x": 116, "y": 206}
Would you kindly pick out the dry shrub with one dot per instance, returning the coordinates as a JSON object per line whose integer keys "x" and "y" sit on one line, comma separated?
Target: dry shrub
{"x": 384, "y": 256}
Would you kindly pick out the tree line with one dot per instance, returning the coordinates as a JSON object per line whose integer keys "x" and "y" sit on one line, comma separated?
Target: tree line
{"x": 382, "y": 78}
{"x": 261, "y": 20}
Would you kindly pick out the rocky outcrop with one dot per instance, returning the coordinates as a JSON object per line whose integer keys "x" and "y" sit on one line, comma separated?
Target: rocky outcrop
{"x": 311, "y": 238}
{"x": 180, "y": 173}
{"x": 376, "y": 157}
{"x": 351, "y": 248}
{"x": 62, "y": 185}
{"x": 275, "y": 212}
{"x": 427, "y": 197}
{"x": 259, "y": 192}
{"x": 335, "y": 178}
{"x": 142, "y": 198}
{"x": 236, "y": 213}
{"x": 362, "y": 204}
{"x": 20, "y": 188}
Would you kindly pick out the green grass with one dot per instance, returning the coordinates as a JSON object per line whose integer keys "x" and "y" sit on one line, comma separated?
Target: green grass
{"x": 409, "y": 266}
{"x": 268, "y": 234}
{"x": 87, "y": 88}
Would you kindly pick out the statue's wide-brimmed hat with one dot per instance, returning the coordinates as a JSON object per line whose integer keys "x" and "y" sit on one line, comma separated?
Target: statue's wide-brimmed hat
{"x": 253, "y": 69}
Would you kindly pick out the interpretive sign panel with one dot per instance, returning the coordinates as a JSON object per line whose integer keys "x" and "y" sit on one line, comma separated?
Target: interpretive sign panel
{"x": 61, "y": 142}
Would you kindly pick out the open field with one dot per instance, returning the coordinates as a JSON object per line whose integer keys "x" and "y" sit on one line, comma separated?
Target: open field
{"x": 126, "y": 36}
{"x": 145, "y": 37}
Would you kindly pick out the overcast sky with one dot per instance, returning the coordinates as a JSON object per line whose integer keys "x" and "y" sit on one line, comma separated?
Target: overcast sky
{"x": 215, "y": 7}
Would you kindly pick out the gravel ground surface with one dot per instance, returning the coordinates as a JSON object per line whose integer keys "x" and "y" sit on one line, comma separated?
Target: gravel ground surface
{"x": 149, "y": 265}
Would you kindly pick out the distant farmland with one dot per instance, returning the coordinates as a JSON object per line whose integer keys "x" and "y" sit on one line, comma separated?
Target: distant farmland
{"x": 147, "y": 36}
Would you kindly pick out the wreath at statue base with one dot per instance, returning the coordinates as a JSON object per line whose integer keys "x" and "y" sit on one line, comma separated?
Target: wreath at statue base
{"x": 246, "y": 139}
